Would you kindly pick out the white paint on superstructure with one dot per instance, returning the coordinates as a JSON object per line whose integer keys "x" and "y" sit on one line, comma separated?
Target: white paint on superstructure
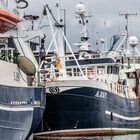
{"x": 16, "y": 109}
{"x": 11, "y": 75}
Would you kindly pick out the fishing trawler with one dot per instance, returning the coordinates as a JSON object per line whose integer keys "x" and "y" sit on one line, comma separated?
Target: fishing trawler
{"x": 92, "y": 93}
{"x": 22, "y": 100}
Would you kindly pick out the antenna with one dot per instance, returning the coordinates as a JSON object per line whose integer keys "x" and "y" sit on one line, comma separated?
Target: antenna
{"x": 82, "y": 14}
{"x": 81, "y": 11}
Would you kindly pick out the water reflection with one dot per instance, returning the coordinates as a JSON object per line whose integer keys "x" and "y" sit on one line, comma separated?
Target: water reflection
{"x": 123, "y": 137}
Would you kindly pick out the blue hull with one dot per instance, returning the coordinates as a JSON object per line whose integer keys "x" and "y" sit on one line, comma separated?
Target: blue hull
{"x": 21, "y": 110}
{"x": 89, "y": 111}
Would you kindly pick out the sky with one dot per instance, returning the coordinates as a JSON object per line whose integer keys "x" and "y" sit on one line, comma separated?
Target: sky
{"x": 102, "y": 11}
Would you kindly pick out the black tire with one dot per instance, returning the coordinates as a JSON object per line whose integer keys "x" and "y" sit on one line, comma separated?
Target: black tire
{"x": 24, "y": 1}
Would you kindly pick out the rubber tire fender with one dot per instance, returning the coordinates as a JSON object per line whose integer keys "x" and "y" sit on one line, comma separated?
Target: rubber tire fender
{"x": 24, "y": 1}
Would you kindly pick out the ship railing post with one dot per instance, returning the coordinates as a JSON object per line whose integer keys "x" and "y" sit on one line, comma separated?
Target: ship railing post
{"x": 111, "y": 119}
{"x": 37, "y": 81}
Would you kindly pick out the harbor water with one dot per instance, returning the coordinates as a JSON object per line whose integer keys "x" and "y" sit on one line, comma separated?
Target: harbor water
{"x": 123, "y": 137}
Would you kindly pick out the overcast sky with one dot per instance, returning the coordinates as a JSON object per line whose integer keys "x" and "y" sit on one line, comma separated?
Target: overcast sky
{"x": 102, "y": 11}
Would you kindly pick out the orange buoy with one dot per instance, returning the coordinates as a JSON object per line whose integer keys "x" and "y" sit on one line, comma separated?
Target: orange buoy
{"x": 7, "y": 21}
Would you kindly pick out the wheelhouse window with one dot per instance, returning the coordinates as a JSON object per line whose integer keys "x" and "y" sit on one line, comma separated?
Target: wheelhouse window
{"x": 77, "y": 71}
{"x": 100, "y": 70}
{"x": 8, "y": 51}
{"x": 131, "y": 75}
{"x": 109, "y": 69}
{"x": 69, "y": 72}
{"x": 112, "y": 70}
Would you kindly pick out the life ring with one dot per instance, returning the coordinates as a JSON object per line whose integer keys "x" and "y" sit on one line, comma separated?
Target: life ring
{"x": 90, "y": 74}
{"x": 54, "y": 90}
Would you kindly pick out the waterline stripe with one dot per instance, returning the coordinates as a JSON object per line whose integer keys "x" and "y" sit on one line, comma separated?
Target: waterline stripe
{"x": 85, "y": 130}
{"x": 123, "y": 117}
{"x": 16, "y": 109}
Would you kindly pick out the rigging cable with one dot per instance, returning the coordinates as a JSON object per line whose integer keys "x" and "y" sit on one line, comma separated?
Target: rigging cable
{"x": 4, "y": 5}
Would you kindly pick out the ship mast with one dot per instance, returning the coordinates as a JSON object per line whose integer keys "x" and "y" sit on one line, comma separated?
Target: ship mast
{"x": 82, "y": 14}
{"x": 126, "y": 15}
{"x": 58, "y": 39}
{"x": 130, "y": 41}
